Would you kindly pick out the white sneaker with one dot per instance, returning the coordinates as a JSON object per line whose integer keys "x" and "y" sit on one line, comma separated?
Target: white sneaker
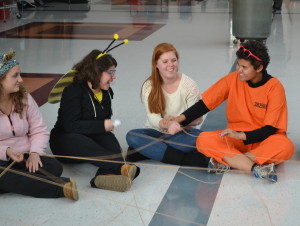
{"x": 266, "y": 171}
{"x": 216, "y": 167}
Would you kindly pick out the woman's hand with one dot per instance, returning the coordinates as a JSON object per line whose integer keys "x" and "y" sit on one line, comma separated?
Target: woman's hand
{"x": 109, "y": 125}
{"x": 169, "y": 118}
{"x": 233, "y": 134}
{"x": 33, "y": 162}
{"x": 164, "y": 123}
{"x": 14, "y": 155}
{"x": 168, "y": 124}
{"x": 174, "y": 127}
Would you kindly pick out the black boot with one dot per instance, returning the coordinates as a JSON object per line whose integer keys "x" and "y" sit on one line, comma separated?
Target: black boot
{"x": 176, "y": 157}
{"x": 134, "y": 156}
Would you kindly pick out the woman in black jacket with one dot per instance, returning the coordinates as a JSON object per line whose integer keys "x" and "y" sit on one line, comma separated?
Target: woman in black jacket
{"x": 84, "y": 129}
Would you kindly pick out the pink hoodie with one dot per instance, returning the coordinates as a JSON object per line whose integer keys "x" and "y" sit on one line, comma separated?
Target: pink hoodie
{"x": 31, "y": 134}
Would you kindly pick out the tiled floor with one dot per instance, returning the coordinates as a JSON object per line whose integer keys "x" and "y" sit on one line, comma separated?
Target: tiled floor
{"x": 70, "y": 30}
{"x": 162, "y": 194}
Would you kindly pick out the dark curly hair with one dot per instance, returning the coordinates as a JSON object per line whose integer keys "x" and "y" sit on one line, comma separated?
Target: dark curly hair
{"x": 90, "y": 69}
{"x": 258, "y": 49}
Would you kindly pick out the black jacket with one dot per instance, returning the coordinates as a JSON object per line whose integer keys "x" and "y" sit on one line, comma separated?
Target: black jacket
{"x": 80, "y": 112}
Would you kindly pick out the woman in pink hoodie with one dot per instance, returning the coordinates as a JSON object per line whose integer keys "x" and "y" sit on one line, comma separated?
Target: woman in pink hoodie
{"x": 23, "y": 139}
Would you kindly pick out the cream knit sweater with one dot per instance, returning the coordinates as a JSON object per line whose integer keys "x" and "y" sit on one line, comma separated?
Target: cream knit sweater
{"x": 185, "y": 96}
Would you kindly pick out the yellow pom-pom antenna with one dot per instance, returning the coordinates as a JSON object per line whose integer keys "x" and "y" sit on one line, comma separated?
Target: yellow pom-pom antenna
{"x": 116, "y": 36}
{"x": 124, "y": 42}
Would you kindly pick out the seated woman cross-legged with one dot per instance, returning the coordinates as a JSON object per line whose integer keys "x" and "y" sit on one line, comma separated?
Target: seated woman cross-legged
{"x": 24, "y": 168}
{"x": 166, "y": 92}
{"x": 84, "y": 128}
{"x": 255, "y": 139}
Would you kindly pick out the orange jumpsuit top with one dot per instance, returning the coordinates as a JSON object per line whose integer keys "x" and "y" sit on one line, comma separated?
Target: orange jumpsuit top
{"x": 249, "y": 108}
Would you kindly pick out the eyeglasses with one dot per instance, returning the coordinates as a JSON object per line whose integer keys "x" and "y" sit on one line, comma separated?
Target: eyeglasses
{"x": 111, "y": 72}
{"x": 248, "y": 53}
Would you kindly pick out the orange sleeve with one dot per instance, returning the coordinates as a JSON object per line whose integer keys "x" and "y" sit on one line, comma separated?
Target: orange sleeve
{"x": 276, "y": 114}
{"x": 217, "y": 93}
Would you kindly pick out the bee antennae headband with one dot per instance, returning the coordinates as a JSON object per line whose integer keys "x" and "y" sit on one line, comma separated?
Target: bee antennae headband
{"x": 116, "y": 37}
{"x": 56, "y": 92}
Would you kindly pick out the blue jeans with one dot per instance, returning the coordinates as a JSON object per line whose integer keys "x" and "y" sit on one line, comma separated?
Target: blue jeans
{"x": 147, "y": 142}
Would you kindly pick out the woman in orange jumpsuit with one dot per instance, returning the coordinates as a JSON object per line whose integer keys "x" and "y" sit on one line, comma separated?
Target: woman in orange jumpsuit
{"x": 255, "y": 138}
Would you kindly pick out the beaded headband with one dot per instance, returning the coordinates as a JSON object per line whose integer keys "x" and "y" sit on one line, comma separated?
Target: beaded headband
{"x": 56, "y": 92}
{"x": 7, "y": 61}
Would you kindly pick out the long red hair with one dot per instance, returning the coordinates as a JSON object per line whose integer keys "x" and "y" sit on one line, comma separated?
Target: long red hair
{"x": 156, "y": 99}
